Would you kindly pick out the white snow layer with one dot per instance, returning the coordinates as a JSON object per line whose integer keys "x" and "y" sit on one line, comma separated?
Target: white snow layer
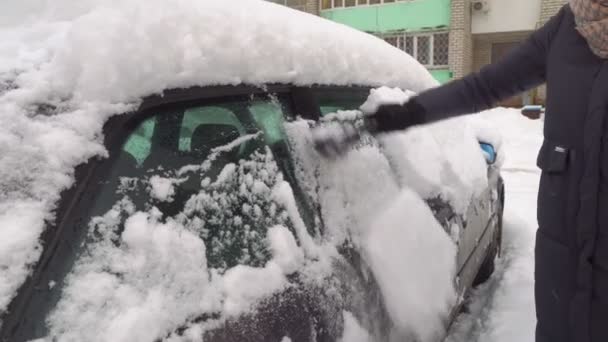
{"x": 417, "y": 293}
{"x": 442, "y": 159}
{"x": 66, "y": 67}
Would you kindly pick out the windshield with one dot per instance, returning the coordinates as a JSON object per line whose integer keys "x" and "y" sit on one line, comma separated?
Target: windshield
{"x": 192, "y": 192}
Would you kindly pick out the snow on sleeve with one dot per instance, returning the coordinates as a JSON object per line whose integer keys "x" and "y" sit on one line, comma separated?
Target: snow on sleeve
{"x": 418, "y": 294}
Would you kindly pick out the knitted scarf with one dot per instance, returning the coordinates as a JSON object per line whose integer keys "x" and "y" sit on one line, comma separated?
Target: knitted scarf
{"x": 592, "y": 23}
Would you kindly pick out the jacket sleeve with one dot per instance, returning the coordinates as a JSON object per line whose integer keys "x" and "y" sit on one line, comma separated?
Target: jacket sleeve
{"x": 523, "y": 68}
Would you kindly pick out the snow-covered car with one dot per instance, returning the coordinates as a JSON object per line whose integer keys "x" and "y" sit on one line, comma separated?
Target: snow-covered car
{"x": 202, "y": 212}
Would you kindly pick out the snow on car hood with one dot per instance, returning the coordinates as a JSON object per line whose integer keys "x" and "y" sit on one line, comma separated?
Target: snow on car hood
{"x": 66, "y": 68}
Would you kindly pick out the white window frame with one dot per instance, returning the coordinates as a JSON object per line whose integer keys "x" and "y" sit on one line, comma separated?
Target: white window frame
{"x": 333, "y": 4}
{"x": 415, "y": 36}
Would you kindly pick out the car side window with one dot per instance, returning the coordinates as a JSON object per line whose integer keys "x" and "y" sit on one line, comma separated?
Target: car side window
{"x": 209, "y": 116}
{"x": 332, "y": 100}
{"x": 212, "y": 168}
{"x": 139, "y": 143}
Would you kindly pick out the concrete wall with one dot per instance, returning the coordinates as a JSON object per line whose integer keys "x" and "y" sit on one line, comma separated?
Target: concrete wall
{"x": 507, "y": 16}
{"x": 413, "y": 15}
{"x": 482, "y": 45}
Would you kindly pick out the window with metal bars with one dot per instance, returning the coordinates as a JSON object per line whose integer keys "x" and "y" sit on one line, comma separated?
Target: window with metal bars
{"x": 430, "y": 49}
{"x": 329, "y": 4}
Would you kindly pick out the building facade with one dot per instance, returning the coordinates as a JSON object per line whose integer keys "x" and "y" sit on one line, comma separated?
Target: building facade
{"x": 450, "y": 37}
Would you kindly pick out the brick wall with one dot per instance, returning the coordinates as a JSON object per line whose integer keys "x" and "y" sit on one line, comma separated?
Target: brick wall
{"x": 482, "y": 53}
{"x": 461, "y": 40}
{"x": 482, "y": 45}
{"x": 313, "y": 6}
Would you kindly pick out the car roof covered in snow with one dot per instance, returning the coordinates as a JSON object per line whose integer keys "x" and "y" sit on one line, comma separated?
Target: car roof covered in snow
{"x": 130, "y": 49}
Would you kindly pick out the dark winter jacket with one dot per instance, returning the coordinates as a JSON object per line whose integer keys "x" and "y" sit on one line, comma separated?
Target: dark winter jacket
{"x": 572, "y": 241}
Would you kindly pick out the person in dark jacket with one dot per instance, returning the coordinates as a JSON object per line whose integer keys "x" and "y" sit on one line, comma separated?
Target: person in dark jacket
{"x": 571, "y": 257}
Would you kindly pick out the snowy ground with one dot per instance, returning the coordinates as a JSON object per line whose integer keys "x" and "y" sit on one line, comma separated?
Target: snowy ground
{"x": 502, "y": 310}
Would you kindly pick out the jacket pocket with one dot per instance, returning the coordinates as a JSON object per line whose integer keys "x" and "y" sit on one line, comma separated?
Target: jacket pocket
{"x": 553, "y": 160}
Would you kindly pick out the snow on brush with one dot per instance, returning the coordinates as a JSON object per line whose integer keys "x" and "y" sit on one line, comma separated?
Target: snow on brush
{"x": 66, "y": 67}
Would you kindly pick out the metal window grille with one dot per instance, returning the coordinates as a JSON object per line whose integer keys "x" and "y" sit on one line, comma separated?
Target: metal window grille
{"x": 329, "y": 4}
{"x": 423, "y": 49}
{"x": 394, "y": 41}
{"x": 409, "y": 45}
{"x": 430, "y": 49}
{"x": 441, "y": 48}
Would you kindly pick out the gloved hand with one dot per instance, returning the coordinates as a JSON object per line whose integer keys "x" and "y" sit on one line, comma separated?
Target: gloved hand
{"x": 395, "y": 117}
{"x": 336, "y": 138}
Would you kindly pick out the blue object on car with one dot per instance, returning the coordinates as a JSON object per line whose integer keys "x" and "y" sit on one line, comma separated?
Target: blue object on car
{"x": 488, "y": 152}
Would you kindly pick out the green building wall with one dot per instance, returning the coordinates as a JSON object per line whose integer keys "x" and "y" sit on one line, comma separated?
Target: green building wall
{"x": 442, "y": 75}
{"x": 412, "y": 16}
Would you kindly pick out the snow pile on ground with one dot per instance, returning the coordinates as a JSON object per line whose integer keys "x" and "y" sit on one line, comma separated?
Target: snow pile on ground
{"x": 65, "y": 68}
{"x": 502, "y": 310}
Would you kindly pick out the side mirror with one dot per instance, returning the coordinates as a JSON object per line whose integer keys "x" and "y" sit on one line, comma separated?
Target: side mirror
{"x": 488, "y": 152}
{"x": 532, "y": 112}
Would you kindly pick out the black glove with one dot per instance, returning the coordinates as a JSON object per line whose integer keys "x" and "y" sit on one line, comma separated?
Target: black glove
{"x": 396, "y": 117}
